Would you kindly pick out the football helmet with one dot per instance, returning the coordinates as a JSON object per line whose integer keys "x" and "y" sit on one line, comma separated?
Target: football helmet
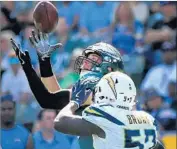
{"x": 116, "y": 89}
{"x": 111, "y": 59}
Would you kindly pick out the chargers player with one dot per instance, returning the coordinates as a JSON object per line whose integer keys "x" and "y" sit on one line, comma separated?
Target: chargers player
{"x": 111, "y": 120}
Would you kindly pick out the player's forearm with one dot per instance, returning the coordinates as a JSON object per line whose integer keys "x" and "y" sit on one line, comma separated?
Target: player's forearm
{"x": 64, "y": 116}
{"x": 69, "y": 110}
{"x": 47, "y": 76}
{"x": 51, "y": 83}
{"x": 46, "y": 99}
{"x": 67, "y": 122}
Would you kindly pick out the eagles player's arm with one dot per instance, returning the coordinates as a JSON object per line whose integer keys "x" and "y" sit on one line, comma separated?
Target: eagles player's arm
{"x": 67, "y": 122}
{"x": 45, "y": 98}
{"x": 47, "y": 76}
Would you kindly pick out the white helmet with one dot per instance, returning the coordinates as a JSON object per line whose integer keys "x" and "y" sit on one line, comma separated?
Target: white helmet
{"x": 116, "y": 89}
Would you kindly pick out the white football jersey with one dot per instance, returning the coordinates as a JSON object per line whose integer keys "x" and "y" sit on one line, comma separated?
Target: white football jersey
{"x": 123, "y": 129}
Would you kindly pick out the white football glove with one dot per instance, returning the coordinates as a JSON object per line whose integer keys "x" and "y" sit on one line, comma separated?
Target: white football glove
{"x": 40, "y": 41}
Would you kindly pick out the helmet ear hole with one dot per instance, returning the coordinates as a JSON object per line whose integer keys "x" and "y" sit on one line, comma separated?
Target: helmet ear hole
{"x": 101, "y": 97}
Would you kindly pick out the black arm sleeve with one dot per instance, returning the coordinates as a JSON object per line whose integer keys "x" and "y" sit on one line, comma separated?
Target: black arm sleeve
{"x": 45, "y": 67}
{"x": 46, "y": 99}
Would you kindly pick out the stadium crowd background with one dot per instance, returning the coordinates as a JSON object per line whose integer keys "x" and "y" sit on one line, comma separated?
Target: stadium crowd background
{"x": 144, "y": 32}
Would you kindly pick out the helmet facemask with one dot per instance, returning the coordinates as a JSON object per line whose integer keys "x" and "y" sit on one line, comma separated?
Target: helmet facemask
{"x": 107, "y": 65}
{"x": 78, "y": 66}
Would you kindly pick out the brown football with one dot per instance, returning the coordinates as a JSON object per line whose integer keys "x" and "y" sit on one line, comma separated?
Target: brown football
{"x": 45, "y": 16}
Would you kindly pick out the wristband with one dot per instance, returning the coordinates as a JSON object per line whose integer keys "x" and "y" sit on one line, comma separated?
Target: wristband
{"x": 45, "y": 67}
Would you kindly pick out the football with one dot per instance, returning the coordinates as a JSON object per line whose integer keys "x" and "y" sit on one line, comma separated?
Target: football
{"x": 45, "y": 16}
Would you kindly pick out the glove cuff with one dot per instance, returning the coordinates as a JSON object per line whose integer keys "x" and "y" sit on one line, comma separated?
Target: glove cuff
{"x": 78, "y": 105}
{"x": 45, "y": 67}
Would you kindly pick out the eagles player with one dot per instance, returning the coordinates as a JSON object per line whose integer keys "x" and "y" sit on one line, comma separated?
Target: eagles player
{"x": 110, "y": 119}
{"x": 97, "y": 60}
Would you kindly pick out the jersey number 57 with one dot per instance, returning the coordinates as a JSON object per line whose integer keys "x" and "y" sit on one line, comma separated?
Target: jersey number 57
{"x": 144, "y": 139}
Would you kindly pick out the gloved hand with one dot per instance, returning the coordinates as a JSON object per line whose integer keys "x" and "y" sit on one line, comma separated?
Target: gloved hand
{"x": 91, "y": 78}
{"x": 40, "y": 41}
{"x": 23, "y": 57}
{"x": 80, "y": 93}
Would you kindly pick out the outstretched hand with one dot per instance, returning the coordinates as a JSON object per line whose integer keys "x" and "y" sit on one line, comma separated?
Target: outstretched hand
{"x": 23, "y": 57}
{"x": 40, "y": 41}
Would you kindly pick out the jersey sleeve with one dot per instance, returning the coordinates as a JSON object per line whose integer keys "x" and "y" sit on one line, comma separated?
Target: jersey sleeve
{"x": 92, "y": 116}
{"x": 100, "y": 117}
